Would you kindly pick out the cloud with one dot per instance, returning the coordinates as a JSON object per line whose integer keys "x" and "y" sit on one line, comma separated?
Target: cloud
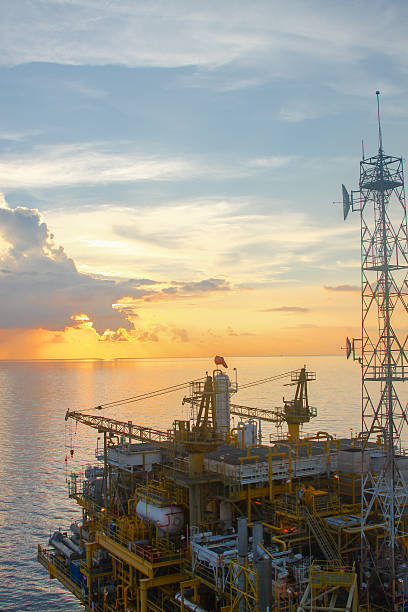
{"x": 254, "y": 241}
{"x": 18, "y": 135}
{"x": 294, "y": 112}
{"x": 274, "y": 161}
{"x": 134, "y": 335}
{"x": 87, "y": 163}
{"x": 209, "y": 284}
{"x": 303, "y": 326}
{"x": 141, "y": 282}
{"x": 155, "y": 334}
{"x": 179, "y": 335}
{"x": 351, "y": 288}
{"x": 82, "y": 88}
{"x": 178, "y": 289}
{"x": 232, "y": 332}
{"x": 286, "y": 309}
{"x": 40, "y": 286}
{"x": 273, "y": 39}
{"x": 101, "y": 163}
{"x": 167, "y": 240}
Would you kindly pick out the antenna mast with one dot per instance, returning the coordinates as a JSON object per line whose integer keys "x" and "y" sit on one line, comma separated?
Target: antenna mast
{"x": 380, "y": 147}
{"x": 384, "y": 366}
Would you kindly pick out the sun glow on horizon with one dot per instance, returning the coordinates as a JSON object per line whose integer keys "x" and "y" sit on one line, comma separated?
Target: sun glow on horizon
{"x": 232, "y": 323}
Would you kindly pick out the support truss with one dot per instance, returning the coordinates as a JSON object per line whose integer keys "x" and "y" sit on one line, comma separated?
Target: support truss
{"x": 384, "y": 363}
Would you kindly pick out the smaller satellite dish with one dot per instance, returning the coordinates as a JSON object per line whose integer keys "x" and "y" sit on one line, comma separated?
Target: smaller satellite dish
{"x": 346, "y": 202}
{"x": 348, "y": 348}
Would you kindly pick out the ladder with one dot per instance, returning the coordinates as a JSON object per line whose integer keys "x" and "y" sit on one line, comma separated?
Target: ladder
{"x": 324, "y": 539}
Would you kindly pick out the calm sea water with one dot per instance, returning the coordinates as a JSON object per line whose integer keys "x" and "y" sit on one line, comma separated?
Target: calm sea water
{"x": 34, "y": 397}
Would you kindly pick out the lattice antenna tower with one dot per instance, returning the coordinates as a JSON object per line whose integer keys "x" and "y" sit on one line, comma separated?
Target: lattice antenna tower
{"x": 380, "y": 201}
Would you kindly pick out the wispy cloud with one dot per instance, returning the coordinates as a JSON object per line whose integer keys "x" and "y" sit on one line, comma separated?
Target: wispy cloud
{"x": 342, "y": 288}
{"x": 303, "y": 326}
{"x": 84, "y": 89}
{"x": 274, "y": 36}
{"x": 210, "y": 284}
{"x": 99, "y": 163}
{"x": 89, "y": 163}
{"x": 253, "y": 242}
{"x": 175, "y": 290}
{"x": 232, "y": 332}
{"x": 18, "y": 135}
{"x": 296, "y": 111}
{"x": 286, "y": 309}
{"x": 274, "y": 161}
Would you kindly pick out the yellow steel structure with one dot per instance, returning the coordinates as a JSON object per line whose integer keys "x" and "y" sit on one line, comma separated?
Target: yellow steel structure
{"x": 294, "y": 413}
{"x": 330, "y": 588}
{"x": 292, "y": 487}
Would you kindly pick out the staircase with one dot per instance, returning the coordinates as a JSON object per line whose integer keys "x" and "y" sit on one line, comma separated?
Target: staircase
{"x": 323, "y": 538}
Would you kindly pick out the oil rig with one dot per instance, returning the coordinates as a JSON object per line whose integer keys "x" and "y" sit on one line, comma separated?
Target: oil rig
{"x": 209, "y": 516}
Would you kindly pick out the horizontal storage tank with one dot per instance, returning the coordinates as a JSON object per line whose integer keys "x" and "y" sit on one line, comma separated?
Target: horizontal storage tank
{"x": 169, "y": 518}
{"x": 77, "y": 549}
{"x": 57, "y": 543}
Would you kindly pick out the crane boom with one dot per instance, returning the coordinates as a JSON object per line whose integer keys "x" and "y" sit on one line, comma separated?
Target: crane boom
{"x": 272, "y": 415}
{"x": 122, "y": 428}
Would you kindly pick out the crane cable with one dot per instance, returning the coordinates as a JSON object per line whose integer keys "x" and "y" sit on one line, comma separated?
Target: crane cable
{"x": 185, "y": 385}
{"x": 265, "y": 380}
{"x": 142, "y": 396}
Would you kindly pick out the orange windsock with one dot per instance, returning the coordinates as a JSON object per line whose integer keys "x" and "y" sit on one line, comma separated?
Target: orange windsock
{"x": 220, "y": 361}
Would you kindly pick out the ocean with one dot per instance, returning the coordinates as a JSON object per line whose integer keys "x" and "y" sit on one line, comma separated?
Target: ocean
{"x": 34, "y": 397}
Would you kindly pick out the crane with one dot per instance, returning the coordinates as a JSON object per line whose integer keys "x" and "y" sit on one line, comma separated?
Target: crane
{"x": 294, "y": 412}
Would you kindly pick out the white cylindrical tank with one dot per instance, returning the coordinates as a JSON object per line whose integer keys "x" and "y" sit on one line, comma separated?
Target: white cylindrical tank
{"x": 170, "y": 518}
{"x": 77, "y": 549}
{"x": 190, "y": 605}
{"x": 61, "y": 547}
{"x": 222, "y": 403}
{"x": 250, "y": 433}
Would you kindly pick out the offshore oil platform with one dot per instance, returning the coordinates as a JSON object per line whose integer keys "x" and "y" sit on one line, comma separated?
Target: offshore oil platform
{"x": 205, "y": 516}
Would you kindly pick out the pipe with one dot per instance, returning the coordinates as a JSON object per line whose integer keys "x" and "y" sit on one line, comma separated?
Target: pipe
{"x": 319, "y": 435}
{"x": 275, "y": 538}
{"x": 270, "y": 474}
{"x": 304, "y": 442}
{"x": 130, "y": 502}
{"x": 279, "y": 541}
{"x": 235, "y": 438}
{"x": 190, "y": 605}
{"x": 248, "y": 458}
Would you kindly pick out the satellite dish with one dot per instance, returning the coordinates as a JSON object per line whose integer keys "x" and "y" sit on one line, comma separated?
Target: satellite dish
{"x": 346, "y": 202}
{"x": 348, "y": 348}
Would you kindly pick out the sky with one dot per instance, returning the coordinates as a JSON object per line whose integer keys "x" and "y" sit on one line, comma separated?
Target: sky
{"x": 168, "y": 172}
